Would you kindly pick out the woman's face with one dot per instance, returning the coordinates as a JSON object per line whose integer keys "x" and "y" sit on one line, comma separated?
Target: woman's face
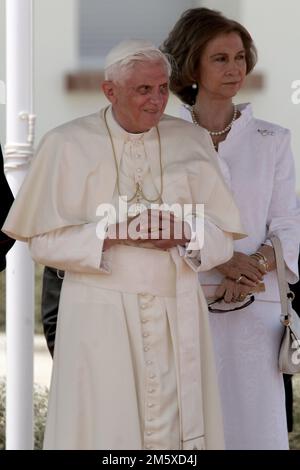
{"x": 222, "y": 67}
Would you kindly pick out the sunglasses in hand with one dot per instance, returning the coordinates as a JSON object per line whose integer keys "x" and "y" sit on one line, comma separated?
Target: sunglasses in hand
{"x": 220, "y": 306}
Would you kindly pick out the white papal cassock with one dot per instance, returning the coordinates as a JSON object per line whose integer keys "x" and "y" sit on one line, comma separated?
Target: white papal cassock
{"x": 133, "y": 364}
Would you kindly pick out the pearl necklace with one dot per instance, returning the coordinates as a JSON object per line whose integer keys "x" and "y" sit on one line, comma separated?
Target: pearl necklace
{"x": 139, "y": 193}
{"x": 216, "y": 133}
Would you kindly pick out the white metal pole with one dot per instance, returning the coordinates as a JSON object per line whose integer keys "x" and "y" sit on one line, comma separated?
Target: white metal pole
{"x": 19, "y": 271}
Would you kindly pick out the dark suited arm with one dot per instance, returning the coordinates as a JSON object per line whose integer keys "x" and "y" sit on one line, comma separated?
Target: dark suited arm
{"x": 296, "y": 289}
{"x": 6, "y": 201}
{"x": 50, "y": 301}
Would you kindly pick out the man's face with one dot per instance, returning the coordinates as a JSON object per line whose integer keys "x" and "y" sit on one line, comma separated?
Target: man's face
{"x": 140, "y": 98}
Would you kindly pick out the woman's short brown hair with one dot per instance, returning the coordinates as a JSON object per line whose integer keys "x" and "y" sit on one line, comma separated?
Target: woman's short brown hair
{"x": 187, "y": 40}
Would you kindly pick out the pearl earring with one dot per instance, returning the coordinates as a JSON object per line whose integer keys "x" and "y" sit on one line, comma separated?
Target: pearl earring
{"x": 194, "y": 86}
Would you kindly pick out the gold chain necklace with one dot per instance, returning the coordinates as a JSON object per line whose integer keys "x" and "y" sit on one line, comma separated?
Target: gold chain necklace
{"x": 139, "y": 194}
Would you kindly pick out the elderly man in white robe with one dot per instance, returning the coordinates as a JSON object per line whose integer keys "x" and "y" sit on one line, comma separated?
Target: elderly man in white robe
{"x": 133, "y": 363}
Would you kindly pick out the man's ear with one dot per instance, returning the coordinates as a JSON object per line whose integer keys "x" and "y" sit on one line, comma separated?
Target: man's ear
{"x": 109, "y": 89}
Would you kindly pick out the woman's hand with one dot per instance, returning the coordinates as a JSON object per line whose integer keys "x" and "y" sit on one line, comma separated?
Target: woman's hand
{"x": 231, "y": 291}
{"x": 243, "y": 268}
{"x": 268, "y": 252}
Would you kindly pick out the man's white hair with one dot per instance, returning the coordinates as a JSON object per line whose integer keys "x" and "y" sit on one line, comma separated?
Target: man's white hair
{"x": 127, "y": 53}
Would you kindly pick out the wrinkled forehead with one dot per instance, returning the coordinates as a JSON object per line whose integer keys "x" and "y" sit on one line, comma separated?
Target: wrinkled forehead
{"x": 225, "y": 42}
{"x": 146, "y": 71}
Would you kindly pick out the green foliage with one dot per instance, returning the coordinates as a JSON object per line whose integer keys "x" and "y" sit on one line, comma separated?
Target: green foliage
{"x": 2, "y": 414}
{"x": 295, "y": 435}
{"x": 40, "y": 401}
{"x": 40, "y": 404}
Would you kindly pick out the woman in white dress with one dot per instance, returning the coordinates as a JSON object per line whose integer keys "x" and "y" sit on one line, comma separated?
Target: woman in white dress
{"x": 212, "y": 55}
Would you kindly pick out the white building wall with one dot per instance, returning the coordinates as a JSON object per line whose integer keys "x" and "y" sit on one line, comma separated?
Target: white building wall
{"x": 55, "y": 42}
{"x": 56, "y": 53}
{"x": 230, "y": 8}
{"x": 2, "y": 69}
{"x": 273, "y": 24}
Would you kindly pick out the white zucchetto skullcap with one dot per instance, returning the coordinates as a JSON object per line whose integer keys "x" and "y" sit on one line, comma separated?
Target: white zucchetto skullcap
{"x": 126, "y": 49}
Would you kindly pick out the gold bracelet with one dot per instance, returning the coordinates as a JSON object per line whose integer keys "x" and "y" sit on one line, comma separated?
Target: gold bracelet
{"x": 261, "y": 259}
{"x": 262, "y": 256}
{"x": 256, "y": 257}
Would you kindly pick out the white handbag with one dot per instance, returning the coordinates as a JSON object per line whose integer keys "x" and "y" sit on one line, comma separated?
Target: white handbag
{"x": 289, "y": 351}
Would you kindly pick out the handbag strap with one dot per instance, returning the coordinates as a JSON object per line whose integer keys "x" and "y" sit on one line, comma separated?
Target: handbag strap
{"x": 285, "y": 294}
